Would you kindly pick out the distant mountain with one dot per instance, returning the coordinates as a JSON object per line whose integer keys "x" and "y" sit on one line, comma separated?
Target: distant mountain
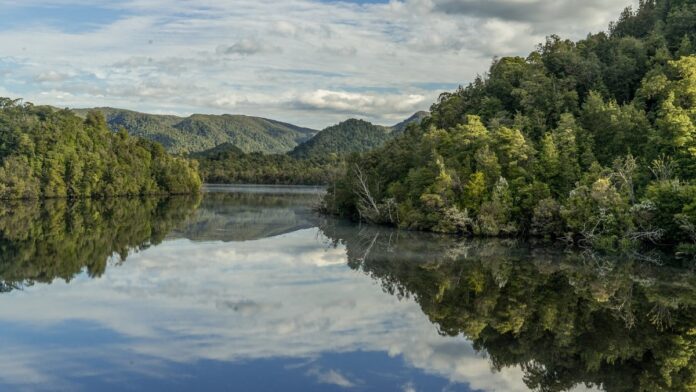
{"x": 201, "y": 132}
{"x": 314, "y": 162}
{"x": 415, "y": 119}
{"x": 351, "y": 136}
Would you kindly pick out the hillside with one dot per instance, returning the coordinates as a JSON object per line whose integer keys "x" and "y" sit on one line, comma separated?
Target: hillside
{"x": 221, "y": 151}
{"x": 352, "y": 136}
{"x": 593, "y": 142}
{"x": 349, "y": 136}
{"x": 317, "y": 161}
{"x": 201, "y": 132}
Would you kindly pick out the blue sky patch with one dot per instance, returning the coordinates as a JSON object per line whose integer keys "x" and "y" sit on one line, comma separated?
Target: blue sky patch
{"x": 67, "y": 18}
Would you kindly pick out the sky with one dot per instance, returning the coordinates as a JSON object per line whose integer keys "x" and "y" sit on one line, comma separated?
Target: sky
{"x": 308, "y": 62}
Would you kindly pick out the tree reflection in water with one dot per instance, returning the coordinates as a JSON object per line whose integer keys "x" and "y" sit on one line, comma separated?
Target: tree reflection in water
{"x": 57, "y": 238}
{"x": 566, "y": 319}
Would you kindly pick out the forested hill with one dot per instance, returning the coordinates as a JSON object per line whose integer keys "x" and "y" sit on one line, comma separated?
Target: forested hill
{"x": 201, "y": 132}
{"x": 315, "y": 162}
{"x": 591, "y": 141}
{"x": 351, "y": 136}
{"x": 47, "y": 153}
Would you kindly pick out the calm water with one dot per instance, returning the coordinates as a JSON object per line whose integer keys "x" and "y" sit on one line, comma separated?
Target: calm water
{"x": 248, "y": 289}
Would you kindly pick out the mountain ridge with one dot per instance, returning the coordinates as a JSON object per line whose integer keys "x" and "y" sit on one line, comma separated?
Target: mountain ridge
{"x": 199, "y": 133}
{"x": 352, "y": 135}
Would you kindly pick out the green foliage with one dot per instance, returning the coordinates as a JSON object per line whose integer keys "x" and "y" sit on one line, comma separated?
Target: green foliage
{"x": 675, "y": 206}
{"x": 599, "y": 213}
{"x": 346, "y": 137}
{"x": 198, "y": 133}
{"x": 317, "y": 161}
{"x": 201, "y": 132}
{"x": 47, "y": 153}
{"x": 570, "y": 142}
{"x": 227, "y": 164}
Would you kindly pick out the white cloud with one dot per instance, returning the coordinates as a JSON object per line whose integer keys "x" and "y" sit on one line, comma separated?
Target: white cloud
{"x": 343, "y": 51}
{"x": 51, "y": 76}
{"x": 217, "y": 56}
{"x": 357, "y": 103}
{"x": 285, "y": 28}
{"x": 331, "y": 376}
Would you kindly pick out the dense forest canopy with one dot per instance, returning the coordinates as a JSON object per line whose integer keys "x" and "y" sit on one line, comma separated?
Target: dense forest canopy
{"x": 54, "y": 153}
{"x": 349, "y": 136}
{"x": 227, "y": 164}
{"x": 591, "y": 141}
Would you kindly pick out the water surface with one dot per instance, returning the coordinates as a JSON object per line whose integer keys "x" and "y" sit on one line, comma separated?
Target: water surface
{"x": 248, "y": 289}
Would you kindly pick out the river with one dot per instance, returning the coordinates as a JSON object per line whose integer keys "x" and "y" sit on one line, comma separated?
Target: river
{"x": 248, "y": 289}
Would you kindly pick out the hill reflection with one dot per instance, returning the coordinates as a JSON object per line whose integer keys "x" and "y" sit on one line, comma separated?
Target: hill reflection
{"x": 43, "y": 241}
{"x": 247, "y": 216}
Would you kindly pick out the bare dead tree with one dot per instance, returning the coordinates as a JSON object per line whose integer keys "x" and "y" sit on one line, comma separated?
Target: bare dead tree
{"x": 592, "y": 230}
{"x": 369, "y": 249}
{"x": 365, "y": 199}
{"x": 621, "y": 304}
{"x": 624, "y": 170}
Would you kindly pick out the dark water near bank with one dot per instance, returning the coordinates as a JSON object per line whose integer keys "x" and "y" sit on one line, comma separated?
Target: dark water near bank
{"x": 248, "y": 289}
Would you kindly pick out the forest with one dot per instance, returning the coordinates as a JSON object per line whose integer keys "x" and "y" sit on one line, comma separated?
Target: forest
{"x": 227, "y": 164}
{"x": 49, "y": 153}
{"x": 317, "y": 161}
{"x": 591, "y": 142}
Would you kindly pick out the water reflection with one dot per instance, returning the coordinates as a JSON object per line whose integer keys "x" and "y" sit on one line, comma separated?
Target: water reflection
{"x": 244, "y": 213}
{"x": 565, "y": 319}
{"x": 252, "y": 291}
{"x": 42, "y": 241}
